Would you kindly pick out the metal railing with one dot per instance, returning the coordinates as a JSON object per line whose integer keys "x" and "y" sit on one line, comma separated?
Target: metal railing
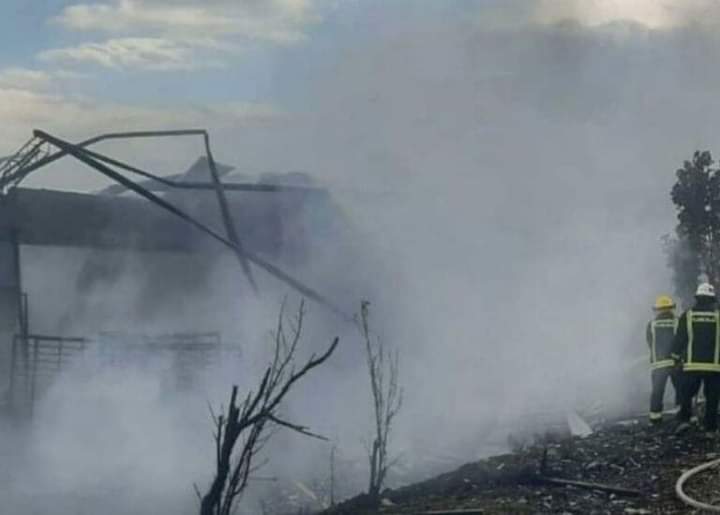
{"x": 187, "y": 354}
{"x": 36, "y": 360}
{"x": 13, "y": 168}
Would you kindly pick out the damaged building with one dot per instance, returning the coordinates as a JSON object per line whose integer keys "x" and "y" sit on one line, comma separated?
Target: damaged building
{"x": 64, "y": 256}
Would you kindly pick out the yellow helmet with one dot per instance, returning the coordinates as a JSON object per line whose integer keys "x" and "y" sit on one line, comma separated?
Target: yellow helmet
{"x": 664, "y": 302}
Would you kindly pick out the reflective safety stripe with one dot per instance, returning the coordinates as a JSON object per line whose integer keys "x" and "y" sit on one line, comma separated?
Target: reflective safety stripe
{"x": 690, "y": 335}
{"x": 655, "y": 415}
{"x": 663, "y": 364}
{"x": 694, "y": 317}
{"x": 653, "y": 354}
{"x": 704, "y": 316}
{"x": 701, "y": 367}
{"x": 717, "y": 344}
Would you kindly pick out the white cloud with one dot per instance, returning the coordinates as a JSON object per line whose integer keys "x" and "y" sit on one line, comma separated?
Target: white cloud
{"x": 75, "y": 118}
{"x": 651, "y": 14}
{"x": 275, "y": 21}
{"x": 172, "y": 35}
{"x": 23, "y": 78}
{"x": 129, "y": 15}
{"x": 139, "y": 53}
{"x": 20, "y": 109}
{"x": 654, "y": 14}
{"x": 79, "y": 117}
{"x": 26, "y": 79}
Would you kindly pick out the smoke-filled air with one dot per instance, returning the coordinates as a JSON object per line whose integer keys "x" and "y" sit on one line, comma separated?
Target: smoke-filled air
{"x": 292, "y": 256}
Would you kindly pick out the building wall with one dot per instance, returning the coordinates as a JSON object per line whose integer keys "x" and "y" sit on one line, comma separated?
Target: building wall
{"x": 9, "y": 301}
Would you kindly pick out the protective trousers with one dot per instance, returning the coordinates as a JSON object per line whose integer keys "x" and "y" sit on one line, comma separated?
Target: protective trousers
{"x": 690, "y": 386}
{"x": 659, "y": 380}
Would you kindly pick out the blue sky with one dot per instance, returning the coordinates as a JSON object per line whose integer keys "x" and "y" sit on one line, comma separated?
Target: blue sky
{"x": 31, "y": 34}
{"x": 219, "y": 50}
{"x": 523, "y": 149}
{"x": 52, "y": 37}
{"x": 81, "y": 66}
{"x": 504, "y": 132}
{"x": 155, "y": 52}
{"x": 263, "y": 70}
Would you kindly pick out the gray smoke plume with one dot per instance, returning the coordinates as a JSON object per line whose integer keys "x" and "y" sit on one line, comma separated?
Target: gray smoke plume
{"x": 505, "y": 168}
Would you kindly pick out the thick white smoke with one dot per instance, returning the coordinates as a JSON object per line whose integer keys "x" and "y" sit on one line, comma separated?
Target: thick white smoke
{"x": 510, "y": 183}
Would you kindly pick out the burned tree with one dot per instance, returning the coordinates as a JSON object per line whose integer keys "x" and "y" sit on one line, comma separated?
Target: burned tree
{"x": 387, "y": 400}
{"x": 243, "y": 431}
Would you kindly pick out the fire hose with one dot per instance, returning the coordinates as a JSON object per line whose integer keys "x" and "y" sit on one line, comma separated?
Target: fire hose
{"x": 687, "y": 475}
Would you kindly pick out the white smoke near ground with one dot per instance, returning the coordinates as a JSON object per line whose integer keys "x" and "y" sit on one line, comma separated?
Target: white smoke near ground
{"x": 530, "y": 171}
{"x": 507, "y": 187}
{"x": 117, "y": 432}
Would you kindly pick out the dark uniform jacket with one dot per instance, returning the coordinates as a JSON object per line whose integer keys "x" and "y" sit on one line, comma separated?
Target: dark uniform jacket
{"x": 697, "y": 339}
{"x": 659, "y": 334}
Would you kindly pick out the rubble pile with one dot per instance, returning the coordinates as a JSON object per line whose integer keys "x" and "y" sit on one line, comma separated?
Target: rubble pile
{"x": 625, "y": 467}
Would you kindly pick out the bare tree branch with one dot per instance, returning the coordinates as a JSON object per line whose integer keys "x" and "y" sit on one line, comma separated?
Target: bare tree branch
{"x": 387, "y": 397}
{"x": 298, "y": 428}
{"x": 245, "y": 428}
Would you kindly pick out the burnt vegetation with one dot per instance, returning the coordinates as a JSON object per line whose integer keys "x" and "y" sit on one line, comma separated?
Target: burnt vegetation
{"x": 387, "y": 398}
{"x": 243, "y": 430}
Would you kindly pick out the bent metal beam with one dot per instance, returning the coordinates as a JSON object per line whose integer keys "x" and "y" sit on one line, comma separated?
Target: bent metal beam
{"x": 79, "y": 153}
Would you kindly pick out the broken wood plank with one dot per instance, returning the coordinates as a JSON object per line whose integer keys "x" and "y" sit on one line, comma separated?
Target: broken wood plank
{"x": 591, "y": 486}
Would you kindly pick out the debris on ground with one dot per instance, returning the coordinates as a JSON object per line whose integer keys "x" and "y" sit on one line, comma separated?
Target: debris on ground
{"x": 622, "y": 468}
{"x": 578, "y": 426}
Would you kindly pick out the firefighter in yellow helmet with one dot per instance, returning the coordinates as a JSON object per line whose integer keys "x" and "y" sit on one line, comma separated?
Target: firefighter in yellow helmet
{"x": 659, "y": 334}
{"x": 697, "y": 348}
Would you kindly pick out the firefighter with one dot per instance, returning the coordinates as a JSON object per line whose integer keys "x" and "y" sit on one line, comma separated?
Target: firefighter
{"x": 659, "y": 334}
{"x": 696, "y": 349}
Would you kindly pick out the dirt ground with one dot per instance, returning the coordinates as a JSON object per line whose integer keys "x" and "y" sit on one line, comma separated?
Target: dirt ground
{"x": 627, "y": 454}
